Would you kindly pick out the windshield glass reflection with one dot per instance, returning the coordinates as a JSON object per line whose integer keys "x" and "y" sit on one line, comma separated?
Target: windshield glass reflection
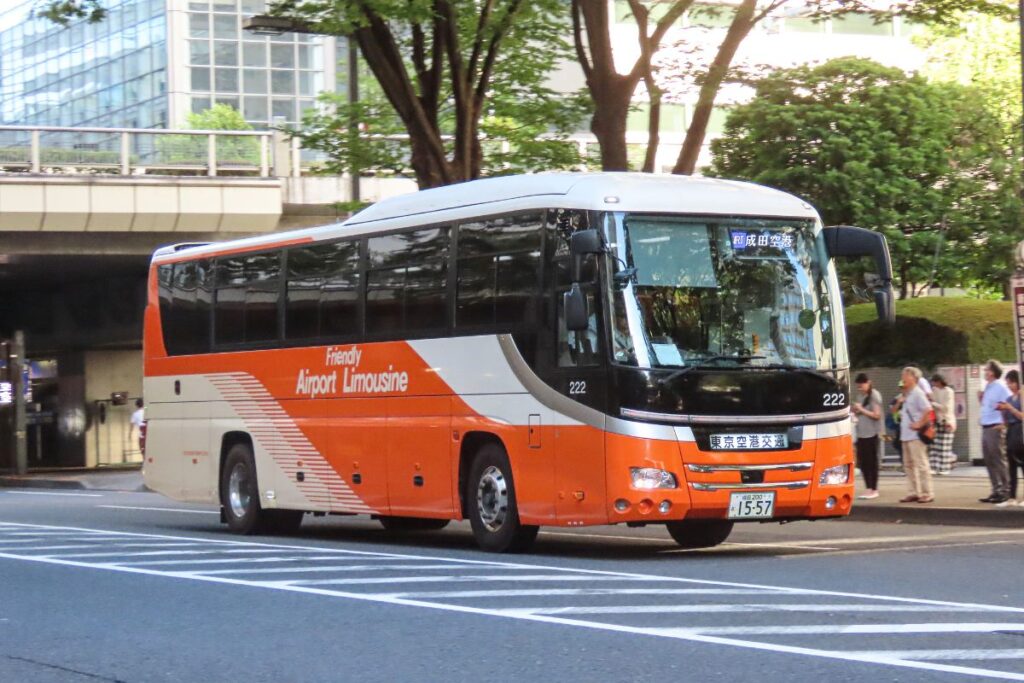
{"x": 721, "y": 292}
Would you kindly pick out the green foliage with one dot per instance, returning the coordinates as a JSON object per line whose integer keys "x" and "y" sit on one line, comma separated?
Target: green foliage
{"x": 192, "y": 149}
{"x": 869, "y": 145}
{"x": 63, "y": 12}
{"x": 524, "y": 124}
{"x": 931, "y": 331}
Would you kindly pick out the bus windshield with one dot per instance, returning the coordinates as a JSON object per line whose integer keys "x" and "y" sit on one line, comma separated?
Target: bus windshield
{"x": 723, "y": 292}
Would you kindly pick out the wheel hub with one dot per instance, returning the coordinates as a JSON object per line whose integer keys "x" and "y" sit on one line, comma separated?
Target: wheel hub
{"x": 492, "y": 498}
{"x": 238, "y": 491}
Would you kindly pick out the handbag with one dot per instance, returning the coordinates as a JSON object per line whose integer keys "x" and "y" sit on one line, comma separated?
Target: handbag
{"x": 927, "y": 434}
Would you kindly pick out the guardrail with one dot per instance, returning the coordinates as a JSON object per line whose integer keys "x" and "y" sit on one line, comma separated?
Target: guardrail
{"x": 135, "y": 151}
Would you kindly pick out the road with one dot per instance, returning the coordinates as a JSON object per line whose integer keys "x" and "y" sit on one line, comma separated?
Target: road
{"x": 109, "y": 586}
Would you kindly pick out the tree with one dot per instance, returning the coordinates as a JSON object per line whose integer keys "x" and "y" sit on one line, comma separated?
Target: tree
{"x": 523, "y": 127}
{"x": 869, "y": 145}
{"x": 230, "y": 149}
{"x": 612, "y": 91}
{"x": 984, "y": 52}
{"x": 63, "y": 12}
{"x": 435, "y": 62}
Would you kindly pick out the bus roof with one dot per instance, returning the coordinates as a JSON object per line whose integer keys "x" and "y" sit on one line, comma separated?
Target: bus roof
{"x": 588, "y": 191}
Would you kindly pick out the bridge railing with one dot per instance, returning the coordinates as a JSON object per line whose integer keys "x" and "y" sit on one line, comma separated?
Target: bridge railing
{"x": 134, "y": 151}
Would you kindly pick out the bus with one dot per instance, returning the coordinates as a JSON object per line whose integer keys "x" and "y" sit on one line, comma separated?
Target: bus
{"x": 560, "y": 349}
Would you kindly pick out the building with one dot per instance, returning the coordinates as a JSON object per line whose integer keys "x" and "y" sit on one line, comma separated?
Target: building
{"x": 151, "y": 62}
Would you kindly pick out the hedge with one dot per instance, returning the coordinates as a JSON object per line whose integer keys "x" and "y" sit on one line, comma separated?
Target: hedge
{"x": 932, "y": 331}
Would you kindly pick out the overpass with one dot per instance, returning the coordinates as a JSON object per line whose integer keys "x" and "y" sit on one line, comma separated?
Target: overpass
{"x": 81, "y": 210}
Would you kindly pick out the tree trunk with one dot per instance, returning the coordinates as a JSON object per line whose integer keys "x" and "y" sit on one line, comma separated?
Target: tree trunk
{"x": 653, "y": 125}
{"x": 608, "y": 124}
{"x": 741, "y": 24}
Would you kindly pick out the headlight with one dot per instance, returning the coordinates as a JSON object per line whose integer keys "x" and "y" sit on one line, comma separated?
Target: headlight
{"x": 651, "y": 478}
{"x": 835, "y": 475}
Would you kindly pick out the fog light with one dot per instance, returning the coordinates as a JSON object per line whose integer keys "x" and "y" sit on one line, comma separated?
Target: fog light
{"x": 830, "y": 502}
{"x": 621, "y": 505}
{"x": 835, "y": 476}
{"x": 665, "y": 507}
{"x": 651, "y": 478}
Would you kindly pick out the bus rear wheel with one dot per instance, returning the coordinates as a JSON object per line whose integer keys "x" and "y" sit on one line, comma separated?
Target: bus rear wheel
{"x": 240, "y": 498}
{"x": 700, "y": 533}
{"x": 491, "y": 504}
{"x": 403, "y": 524}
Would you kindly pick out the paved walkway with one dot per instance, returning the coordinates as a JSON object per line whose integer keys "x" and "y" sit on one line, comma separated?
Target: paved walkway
{"x": 956, "y": 501}
{"x": 110, "y": 479}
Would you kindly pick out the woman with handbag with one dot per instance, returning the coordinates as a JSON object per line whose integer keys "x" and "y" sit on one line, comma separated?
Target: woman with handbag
{"x": 868, "y": 412}
{"x": 940, "y": 452}
{"x": 1013, "y": 417}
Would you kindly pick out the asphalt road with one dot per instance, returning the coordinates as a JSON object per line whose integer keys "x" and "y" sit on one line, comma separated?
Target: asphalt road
{"x": 107, "y": 586}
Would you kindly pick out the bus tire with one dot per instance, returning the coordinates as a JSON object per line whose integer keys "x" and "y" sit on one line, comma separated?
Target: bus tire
{"x": 700, "y": 533}
{"x": 491, "y": 504}
{"x": 240, "y": 498}
{"x": 403, "y": 524}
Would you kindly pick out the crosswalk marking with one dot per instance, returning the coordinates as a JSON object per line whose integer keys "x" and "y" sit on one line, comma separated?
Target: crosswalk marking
{"x": 954, "y": 655}
{"x": 713, "y": 609}
{"x": 359, "y": 572}
{"x": 848, "y": 629}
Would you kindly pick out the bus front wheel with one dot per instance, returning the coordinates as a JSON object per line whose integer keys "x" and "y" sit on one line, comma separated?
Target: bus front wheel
{"x": 240, "y": 498}
{"x": 491, "y": 504}
{"x": 700, "y": 533}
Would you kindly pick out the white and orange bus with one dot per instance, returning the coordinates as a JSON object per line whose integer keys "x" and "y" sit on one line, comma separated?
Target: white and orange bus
{"x": 554, "y": 349}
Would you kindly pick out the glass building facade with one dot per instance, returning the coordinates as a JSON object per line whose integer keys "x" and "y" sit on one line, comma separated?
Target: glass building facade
{"x": 113, "y": 73}
{"x": 150, "y": 63}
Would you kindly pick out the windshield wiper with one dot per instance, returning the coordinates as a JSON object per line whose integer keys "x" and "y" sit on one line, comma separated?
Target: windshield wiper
{"x": 702, "y": 364}
{"x": 793, "y": 368}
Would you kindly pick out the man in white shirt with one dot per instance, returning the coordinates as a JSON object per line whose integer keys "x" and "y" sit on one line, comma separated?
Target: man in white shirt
{"x": 995, "y": 392}
{"x": 138, "y": 417}
{"x": 915, "y": 414}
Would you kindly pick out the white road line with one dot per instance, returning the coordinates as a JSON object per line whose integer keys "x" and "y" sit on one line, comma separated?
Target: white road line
{"x": 55, "y": 493}
{"x": 159, "y": 509}
{"x": 669, "y": 542}
{"x": 63, "y": 556}
{"x": 339, "y": 568}
{"x": 481, "y": 578}
{"x": 249, "y": 560}
{"x": 848, "y": 629}
{"x": 747, "y": 607}
{"x": 859, "y": 657}
{"x": 570, "y": 570}
{"x": 953, "y": 654}
{"x": 95, "y": 546}
{"x": 544, "y": 592}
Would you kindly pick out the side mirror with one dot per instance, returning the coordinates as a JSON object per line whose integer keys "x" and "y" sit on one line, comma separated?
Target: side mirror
{"x": 582, "y": 243}
{"x": 574, "y": 304}
{"x": 851, "y": 242}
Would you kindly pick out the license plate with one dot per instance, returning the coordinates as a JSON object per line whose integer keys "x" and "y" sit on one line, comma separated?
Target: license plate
{"x": 751, "y": 505}
{"x": 748, "y": 442}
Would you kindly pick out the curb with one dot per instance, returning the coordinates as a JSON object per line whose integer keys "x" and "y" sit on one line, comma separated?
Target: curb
{"x": 947, "y": 516}
{"x": 36, "y": 483}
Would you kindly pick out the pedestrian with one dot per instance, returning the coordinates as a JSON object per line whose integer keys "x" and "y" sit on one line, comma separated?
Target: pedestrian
{"x": 138, "y": 417}
{"x": 1013, "y": 416}
{"x": 940, "y": 452}
{"x": 914, "y": 415}
{"x": 868, "y": 413}
{"x": 995, "y": 392}
{"x": 892, "y": 420}
{"x": 923, "y": 383}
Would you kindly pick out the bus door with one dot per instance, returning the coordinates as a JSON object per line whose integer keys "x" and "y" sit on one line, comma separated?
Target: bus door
{"x": 579, "y": 372}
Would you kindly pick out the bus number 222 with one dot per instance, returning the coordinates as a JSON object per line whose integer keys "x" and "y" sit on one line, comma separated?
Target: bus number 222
{"x": 577, "y": 387}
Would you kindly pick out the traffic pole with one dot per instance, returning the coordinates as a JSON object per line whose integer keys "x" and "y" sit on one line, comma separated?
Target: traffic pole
{"x": 16, "y": 367}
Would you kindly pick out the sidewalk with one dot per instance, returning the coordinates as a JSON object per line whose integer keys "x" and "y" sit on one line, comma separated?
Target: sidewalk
{"x": 112, "y": 479}
{"x": 956, "y": 501}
